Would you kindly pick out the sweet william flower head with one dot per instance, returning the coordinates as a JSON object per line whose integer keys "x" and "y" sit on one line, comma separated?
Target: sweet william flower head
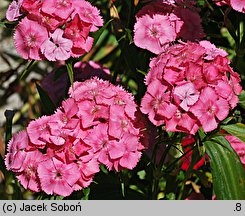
{"x": 61, "y": 153}
{"x": 40, "y": 35}
{"x": 200, "y": 92}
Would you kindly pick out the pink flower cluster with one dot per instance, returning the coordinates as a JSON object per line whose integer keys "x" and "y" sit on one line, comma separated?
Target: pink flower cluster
{"x": 189, "y": 86}
{"x": 53, "y": 29}
{"x": 98, "y": 124}
{"x": 238, "y": 5}
{"x": 161, "y": 22}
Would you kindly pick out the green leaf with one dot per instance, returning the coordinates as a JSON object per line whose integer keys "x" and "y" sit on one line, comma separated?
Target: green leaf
{"x": 9, "y": 114}
{"x": 47, "y": 104}
{"x": 97, "y": 34}
{"x": 26, "y": 71}
{"x": 86, "y": 193}
{"x": 242, "y": 99}
{"x": 70, "y": 72}
{"x": 129, "y": 35}
{"x": 237, "y": 130}
{"x": 227, "y": 170}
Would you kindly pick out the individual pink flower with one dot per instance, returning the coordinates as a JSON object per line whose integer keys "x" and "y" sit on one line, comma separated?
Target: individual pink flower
{"x": 28, "y": 175}
{"x": 57, "y": 177}
{"x": 87, "y": 170}
{"x": 88, "y": 13}
{"x": 39, "y": 131}
{"x": 78, "y": 32}
{"x": 31, "y": 6}
{"x": 153, "y": 33}
{"x": 29, "y": 37}
{"x": 16, "y": 151}
{"x": 238, "y": 146}
{"x": 181, "y": 121}
{"x": 13, "y": 11}
{"x": 186, "y": 95}
{"x": 57, "y": 8}
{"x": 57, "y": 47}
{"x": 238, "y": 5}
{"x": 210, "y": 109}
{"x": 131, "y": 155}
{"x": 90, "y": 113}
{"x": 156, "y": 99}
{"x": 46, "y": 20}
{"x": 212, "y": 51}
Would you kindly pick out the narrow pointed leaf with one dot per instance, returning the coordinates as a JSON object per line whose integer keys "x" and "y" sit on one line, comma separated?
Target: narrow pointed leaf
{"x": 227, "y": 170}
{"x": 97, "y": 34}
{"x": 26, "y": 71}
{"x": 47, "y": 104}
{"x": 70, "y": 72}
{"x": 237, "y": 130}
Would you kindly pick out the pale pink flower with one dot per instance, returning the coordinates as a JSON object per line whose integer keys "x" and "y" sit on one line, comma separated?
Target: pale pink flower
{"x": 57, "y": 177}
{"x": 57, "y": 8}
{"x": 238, "y": 5}
{"x": 29, "y": 37}
{"x": 186, "y": 95}
{"x": 154, "y": 33}
{"x": 28, "y": 175}
{"x": 13, "y": 11}
{"x": 57, "y": 47}
{"x": 210, "y": 109}
{"x": 16, "y": 151}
